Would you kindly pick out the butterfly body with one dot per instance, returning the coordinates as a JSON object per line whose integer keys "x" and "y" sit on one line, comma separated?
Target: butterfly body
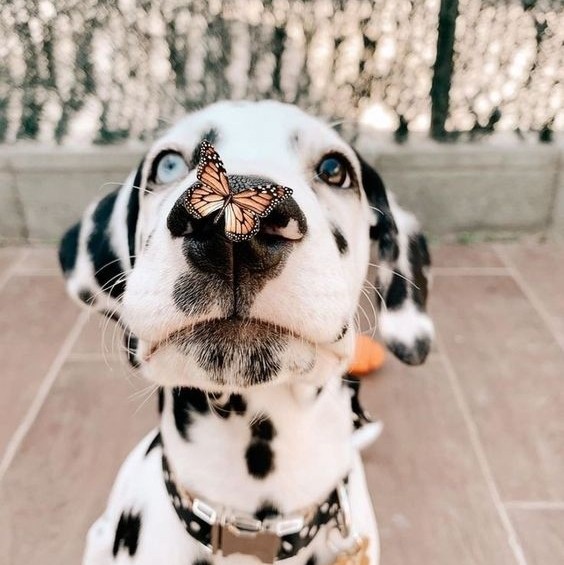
{"x": 227, "y": 201}
{"x": 243, "y": 209}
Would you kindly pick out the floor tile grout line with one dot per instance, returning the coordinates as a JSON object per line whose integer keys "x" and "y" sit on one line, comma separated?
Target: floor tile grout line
{"x": 93, "y": 357}
{"x": 479, "y": 451}
{"x": 535, "y": 505}
{"x": 530, "y": 295}
{"x": 27, "y": 272}
{"x": 41, "y": 395}
{"x": 12, "y": 269}
{"x": 471, "y": 271}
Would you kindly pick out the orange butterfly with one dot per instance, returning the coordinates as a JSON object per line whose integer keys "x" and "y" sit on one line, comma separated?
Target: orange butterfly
{"x": 243, "y": 209}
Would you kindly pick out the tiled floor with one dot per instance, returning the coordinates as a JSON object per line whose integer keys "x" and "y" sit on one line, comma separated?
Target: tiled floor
{"x": 469, "y": 469}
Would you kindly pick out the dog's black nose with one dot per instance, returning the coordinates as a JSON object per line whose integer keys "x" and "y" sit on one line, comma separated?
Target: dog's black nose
{"x": 208, "y": 248}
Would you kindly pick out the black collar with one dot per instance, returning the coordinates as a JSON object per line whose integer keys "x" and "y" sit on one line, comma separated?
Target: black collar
{"x": 272, "y": 539}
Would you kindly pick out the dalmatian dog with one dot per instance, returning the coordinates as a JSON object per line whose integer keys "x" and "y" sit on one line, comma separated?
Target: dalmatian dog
{"x": 248, "y": 342}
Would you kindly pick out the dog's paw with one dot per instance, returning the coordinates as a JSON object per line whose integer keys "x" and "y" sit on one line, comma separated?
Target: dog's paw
{"x": 367, "y": 434}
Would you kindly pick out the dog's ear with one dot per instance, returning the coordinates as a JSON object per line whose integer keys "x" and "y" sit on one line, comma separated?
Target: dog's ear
{"x": 402, "y": 277}
{"x": 97, "y": 253}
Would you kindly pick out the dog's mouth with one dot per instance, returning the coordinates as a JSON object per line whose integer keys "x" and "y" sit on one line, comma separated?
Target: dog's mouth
{"x": 232, "y": 330}
{"x": 238, "y": 353}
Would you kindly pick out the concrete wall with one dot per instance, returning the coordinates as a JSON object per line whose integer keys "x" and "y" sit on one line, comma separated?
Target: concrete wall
{"x": 453, "y": 189}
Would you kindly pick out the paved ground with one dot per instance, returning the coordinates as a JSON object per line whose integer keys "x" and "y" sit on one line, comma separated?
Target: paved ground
{"x": 469, "y": 469}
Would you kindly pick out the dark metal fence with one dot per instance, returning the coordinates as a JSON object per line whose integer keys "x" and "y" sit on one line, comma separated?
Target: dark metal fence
{"x": 102, "y": 71}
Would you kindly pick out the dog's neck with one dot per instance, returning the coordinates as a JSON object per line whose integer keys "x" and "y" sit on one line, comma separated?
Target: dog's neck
{"x": 273, "y": 448}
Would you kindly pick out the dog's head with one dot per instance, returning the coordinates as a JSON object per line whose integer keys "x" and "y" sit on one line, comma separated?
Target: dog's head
{"x": 201, "y": 310}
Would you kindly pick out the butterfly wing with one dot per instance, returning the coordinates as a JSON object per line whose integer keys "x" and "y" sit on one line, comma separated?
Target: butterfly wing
{"x": 240, "y": 224}
{"x": 243, "y": 210}
{"x": 243, "y": 213}
{"x": 211, "y": 171}
{"x": 261, "y": 199}
{"x": 201, "y": 201}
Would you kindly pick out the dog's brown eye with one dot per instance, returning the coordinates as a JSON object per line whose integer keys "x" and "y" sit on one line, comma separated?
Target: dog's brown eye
{"x": 334, "y": 170}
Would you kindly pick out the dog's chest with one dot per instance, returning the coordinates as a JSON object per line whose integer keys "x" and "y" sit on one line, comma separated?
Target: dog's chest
{"x": 271, "y": 450}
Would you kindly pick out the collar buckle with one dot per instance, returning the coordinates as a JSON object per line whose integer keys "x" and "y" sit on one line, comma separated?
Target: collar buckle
{"x": 241, "y": 534}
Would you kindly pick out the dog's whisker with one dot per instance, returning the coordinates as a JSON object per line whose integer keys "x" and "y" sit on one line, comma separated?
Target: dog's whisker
{"x": 382, "y": 304}
{"x": 371, "y": 303}
{"x": 371, "y": 328}
{"x": 372, "y": 321}
{"x": 376, "y": 209}
{"x": 393, "y": 271}
{"x": 119, "y": 184}
{"x": 152, "y": 390}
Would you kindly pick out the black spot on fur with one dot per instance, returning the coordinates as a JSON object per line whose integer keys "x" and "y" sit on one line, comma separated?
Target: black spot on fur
{"x": 295, "y": 140}
{"x": 148, "y": 240}
{"x": 86, "y": 296}
{"x": 397, "y": 292}
{"x": 108, "y": 270}
{"x": 260, "y": 459}
{"x": 263, "y": 429}
{"x": 259, "y": 455}
{"x": 211, "y": 135}
{"x": 186, "y": 401}
{"x": 418, "y": 246}
{"x": 127, "y": 533}
{"x": 161, "y": 399}
{"x": 386, "y": 235}
{"x": 342, "y": 243}
{"x": 68, "y": 249}
{"x": 267, "y": 510}
{"x": 419, "y": 259}
{"x": 343, "y": 332}
{"x": 202, "y": 562}
{"x": 157, "y": 441}
{"x": 360, "y": 416}
{"x": 312, "y": 560}
{"x": 238, "y": 404}
{"x": 385, "y": 231}
{"x": 411, "y": 355}
{"x": 133, "y": 213}
{"x": 112, "y": 315}
{"x": 235, "y": 405}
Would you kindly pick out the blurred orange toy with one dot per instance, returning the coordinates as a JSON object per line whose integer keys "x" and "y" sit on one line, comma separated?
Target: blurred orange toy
{"x": 368, "y": 357}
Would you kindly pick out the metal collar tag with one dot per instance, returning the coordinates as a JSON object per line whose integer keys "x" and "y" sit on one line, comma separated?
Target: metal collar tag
{"x": 229, "y": 539}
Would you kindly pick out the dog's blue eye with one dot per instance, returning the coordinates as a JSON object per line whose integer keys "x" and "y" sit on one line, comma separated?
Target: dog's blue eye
{"x": 170, "y": 168}
{"x": 334, "y": 170}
